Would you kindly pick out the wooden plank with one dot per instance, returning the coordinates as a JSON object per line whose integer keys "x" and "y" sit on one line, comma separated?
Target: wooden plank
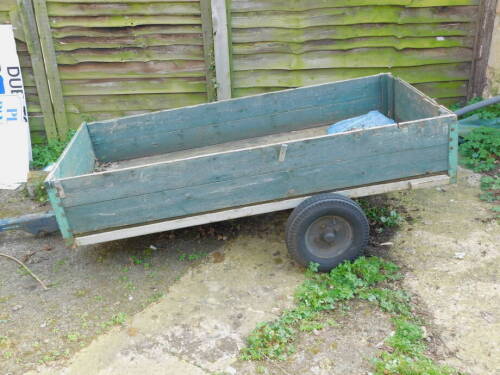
{"x": 274, "y": 34}
{"x": 61, "y": 218}
{"x": 123, "y": 21}
{"x": 240, "y": 119}
{"x": 5, "y": 18}
{"x": 351, "y": 16}
{"x": 112, "y": 103}
{"x": 72, "y": 43}
{"x": 287, "y": 204}
{"x": 113, "y": 9}
{"x": 163, "y": 53}
{"x": 259, "y": 158}
{"x": 134, "y": 31}
{"x": 410, "y": 104}
{"x": 302, "y": 5}
{"x": 77, "y": 158}
{"x": 484, "y": 34}
{"x": 254, "y": 189}
{"x": 150, "y": 69}
{"x": 208, "y": 49}
{"x": 357, "y": 58}
{"x": 342, "y": 44}
{"x": 7, "y": 5}
{"x": 33, "y": 44}
{"x": 453, "y": 151}
{"x": 221, "y": 49}
{"x": 443, "y": 89}
{"x": 297, "y": 78}
{"x": 49, "y": 57}
{"x": 121, "y": 1}
{"x": 134, "y": 86}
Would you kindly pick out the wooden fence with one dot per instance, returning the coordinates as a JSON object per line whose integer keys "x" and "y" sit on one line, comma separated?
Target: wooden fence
{"x": 96, "y": 59}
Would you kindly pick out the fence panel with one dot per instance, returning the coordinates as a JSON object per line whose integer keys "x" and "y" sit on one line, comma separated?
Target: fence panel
{"x": 279, "y": 44}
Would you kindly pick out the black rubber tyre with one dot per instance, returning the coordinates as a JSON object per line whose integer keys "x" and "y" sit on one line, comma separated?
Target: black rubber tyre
{"x": 327, "y": 229}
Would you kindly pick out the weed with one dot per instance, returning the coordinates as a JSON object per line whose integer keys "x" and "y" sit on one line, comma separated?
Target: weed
{"x": 136, "y": 260}
{"x": 320, "y": 292}
{"x": 481, "y": 149}
{"x": 192, "y": 257}
{"x": 381, "y": 215}
{"x": 73, "y": 337}
{"x": 117, "y": 319}
{"x": 43, "y": 155}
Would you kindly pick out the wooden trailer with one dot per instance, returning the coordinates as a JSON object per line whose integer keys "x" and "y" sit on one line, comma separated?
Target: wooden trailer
{"x": 211, "y": 162}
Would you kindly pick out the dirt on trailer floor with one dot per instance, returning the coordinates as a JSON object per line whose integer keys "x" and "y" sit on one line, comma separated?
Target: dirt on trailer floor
{"x": 183, "y": 302}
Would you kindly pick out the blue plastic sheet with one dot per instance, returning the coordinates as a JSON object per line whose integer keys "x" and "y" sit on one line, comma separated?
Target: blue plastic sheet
{"x": 370, "y": 120}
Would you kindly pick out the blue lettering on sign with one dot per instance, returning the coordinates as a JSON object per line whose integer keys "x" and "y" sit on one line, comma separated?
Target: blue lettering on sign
{"x": 12, "y": 112}
{"x": 2, "y": 87}
{"x": 1, "y": 109}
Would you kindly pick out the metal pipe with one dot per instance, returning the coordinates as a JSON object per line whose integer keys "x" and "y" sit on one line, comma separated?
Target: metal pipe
{"x": 475, "y": 106}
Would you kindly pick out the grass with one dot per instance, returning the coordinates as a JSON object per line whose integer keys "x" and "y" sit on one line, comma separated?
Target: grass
{"x": 360, "y": 279}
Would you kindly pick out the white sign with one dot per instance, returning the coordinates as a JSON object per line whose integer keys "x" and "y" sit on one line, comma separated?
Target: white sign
{"x": 15, "y": 144}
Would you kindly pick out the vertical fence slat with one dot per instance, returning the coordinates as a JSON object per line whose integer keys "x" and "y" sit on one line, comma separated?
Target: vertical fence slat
{"x": 208, "y": 48}
{"x": 485, "y": 25}
{"x": 49, "y": 56}
{"x": 34, "y": 48}
{"x": 221, "y": 48}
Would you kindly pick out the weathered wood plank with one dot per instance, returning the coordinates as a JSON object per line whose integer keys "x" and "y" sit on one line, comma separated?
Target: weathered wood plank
{"x": 256, "y": 160}
{"x": 150, "y": 69}
{"x": 110, "y": 41}
{"x": 38, "y": 68}
{"x": 357, "y": 58}
{"x": 7, "y": 5}
{"x": 49, "y": 57}
{"x": 487, "y": 17}
{"x": 78, "y": 157}
{"x": 134, "y": 86}
{"x": 302, "y": 5}
{"x": 410, "y": 105}
{"x": 272, "y": 34}
{"x": 234, "y": 213}
{"x": 297, "y": 78}
{"x": 112, "y": 103}
{"x": 252, "y": 189}
{"x": 221, "y": 49}
{"x": 333, "y": 45}
{"x": 5, "y": 18}
{"x": 239, "y": 119}
{"x": 351, "y": 16}
{"x": 125, "y": 8}
{"x": 135, "y": 31}
{"x": 121, "y": 1}
{"x": 165, "y": 53}
{"x": 123, "y": 21}
{"x": 208, "y": 48}
{"x": 443, "y": 89}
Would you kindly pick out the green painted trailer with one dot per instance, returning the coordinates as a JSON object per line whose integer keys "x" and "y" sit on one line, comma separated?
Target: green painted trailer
{"x": 211, "y": 162}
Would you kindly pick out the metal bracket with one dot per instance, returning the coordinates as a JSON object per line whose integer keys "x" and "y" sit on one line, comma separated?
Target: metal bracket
{"x": 282, "y": 154}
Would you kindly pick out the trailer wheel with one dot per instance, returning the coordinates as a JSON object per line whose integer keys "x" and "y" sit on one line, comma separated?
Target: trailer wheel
{"x": 327, "y": 229}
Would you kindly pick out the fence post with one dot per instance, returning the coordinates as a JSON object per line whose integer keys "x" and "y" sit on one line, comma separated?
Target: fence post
{"x": 49, "y": 56}
{"x": 482, "y": 43}
{"x": 208, "y": 48}
{"x": 33, "y": 43}
{"x": 221, "y": 49}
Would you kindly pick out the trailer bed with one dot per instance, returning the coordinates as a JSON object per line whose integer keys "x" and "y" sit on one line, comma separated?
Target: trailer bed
{"x": 188, "y": 166}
